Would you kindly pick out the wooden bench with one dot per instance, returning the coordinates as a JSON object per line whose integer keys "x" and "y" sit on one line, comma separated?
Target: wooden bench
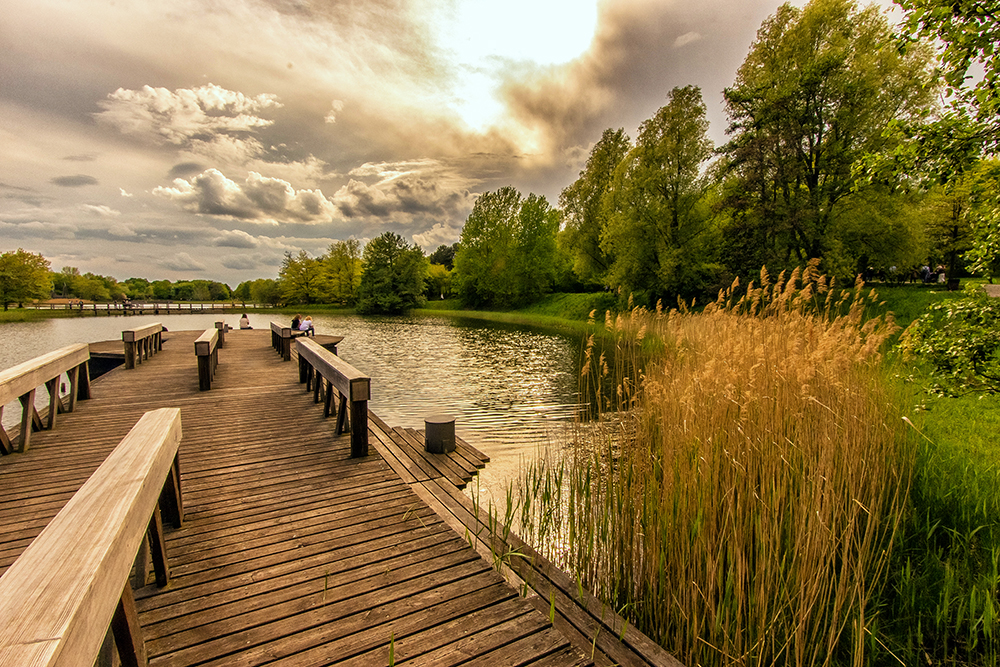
{"x": 141, "y": 343}
{"x": 206, "y": 348}
{"x": 324, "y": 371}
{"x": 71, "y": 585}
{"x": 21, "y": 381}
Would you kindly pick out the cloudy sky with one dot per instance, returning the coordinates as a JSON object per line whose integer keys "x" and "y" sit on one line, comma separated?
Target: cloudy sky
{"x": 187, "y": 139}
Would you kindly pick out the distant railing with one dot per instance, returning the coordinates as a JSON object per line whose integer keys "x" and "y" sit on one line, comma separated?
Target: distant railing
{"x": 71, "y": 586}
{"x": 206, "y": 348}
{"x": 155, "y": 307}
{"x": 21, "y": 382}
{"x": 141, "y": 343}
{"x": 323, "y": 372}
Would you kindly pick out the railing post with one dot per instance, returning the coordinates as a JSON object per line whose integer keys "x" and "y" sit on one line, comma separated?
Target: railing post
{"x": 221, "y": 326}
{"x": 129, "y": 354}
{"x": 359, "y": 429}
{"x": 28, "y": 417}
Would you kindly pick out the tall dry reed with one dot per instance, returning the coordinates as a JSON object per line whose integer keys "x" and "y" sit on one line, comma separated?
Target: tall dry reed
{"x": 741, "y": 485}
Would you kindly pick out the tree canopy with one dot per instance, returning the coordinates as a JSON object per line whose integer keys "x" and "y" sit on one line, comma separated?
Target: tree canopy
{"x": 23, "y": 276}
{"x": 656, "y": 231}
{"x": 506, "y": 254}
{"x": 814, "y": 95}
{"x": 392, "y": 280}
{"x": 585, "y": 207}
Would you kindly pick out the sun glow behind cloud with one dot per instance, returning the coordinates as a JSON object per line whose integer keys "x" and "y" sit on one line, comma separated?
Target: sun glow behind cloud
{"x": 486, "y": 41}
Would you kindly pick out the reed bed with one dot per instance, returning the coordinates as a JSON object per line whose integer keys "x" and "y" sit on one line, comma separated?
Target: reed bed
{"x": 737, "y": 492}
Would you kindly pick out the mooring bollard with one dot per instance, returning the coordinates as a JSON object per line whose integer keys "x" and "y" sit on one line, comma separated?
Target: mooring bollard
{"x": 439, "y": 434}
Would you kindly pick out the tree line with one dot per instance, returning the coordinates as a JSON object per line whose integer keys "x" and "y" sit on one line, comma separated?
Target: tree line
{"x": 839, "y": 148}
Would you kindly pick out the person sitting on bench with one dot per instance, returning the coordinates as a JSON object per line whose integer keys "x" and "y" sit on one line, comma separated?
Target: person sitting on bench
{"x": 306, "y": 326}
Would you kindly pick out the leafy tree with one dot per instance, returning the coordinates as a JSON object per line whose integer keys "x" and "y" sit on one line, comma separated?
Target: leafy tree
{"x": 64, "y": 282}
{"x": 342, "y": 270}
{"x": 983, "y": 254}
{"x": 507, "y": 249}
{"x": 585, "y": 210}
{"x": 218, "y": 291}
{"x": 301, "y": 278}
{"x": 137, "y": 288}
{"x": 92, "y": 288}
{"x": 163, "y": 290}
{"x": 183, "y": 290}
{"x": 969, "y": 32}
{"x": 23, "y": 275}
{"x": 815, "y": 94}
{"x": 657, "y": 227}
{"x": 242, "y": 292}
{"x": 266, "y": 290}
{"x": 444, "y": 255}
{"x": 438, "y": 281}
{"x": 392, "y": 281}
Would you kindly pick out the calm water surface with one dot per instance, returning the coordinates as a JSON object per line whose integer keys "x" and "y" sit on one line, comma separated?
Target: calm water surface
{"x": 511, "y": 389}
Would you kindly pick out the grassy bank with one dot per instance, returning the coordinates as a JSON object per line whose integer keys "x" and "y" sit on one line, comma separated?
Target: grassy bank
{"x": 560, "y": 312}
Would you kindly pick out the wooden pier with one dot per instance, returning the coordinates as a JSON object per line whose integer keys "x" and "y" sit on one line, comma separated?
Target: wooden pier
{"x": 291, "y": 551}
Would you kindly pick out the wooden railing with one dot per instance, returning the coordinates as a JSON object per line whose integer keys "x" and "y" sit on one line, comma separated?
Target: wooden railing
{"x": 281, "y": 340}
{"x": 206, "y": 348}
{"x": 71, "y": 585}
{"x": 141, "y": 343}
{"x": 144, "y": 306}
{"x": 21, "y": 382}
{"x": 323, "y": 372}
{"x": 222, "y": 328}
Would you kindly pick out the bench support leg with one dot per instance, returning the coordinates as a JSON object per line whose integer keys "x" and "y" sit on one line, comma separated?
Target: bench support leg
{"x": 127, "y": 631}
{"x": 158, "y": 548}
{"x": 171, "y": 500}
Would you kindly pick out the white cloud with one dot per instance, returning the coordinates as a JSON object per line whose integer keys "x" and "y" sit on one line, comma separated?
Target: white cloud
{"x": 182, "y": 261}
{"x": 101, "y": 211}
{"x": 258, "y": 198}
{"x": 180, "y": 116}
{"x": 439, "y": 234}
{"x": 686, "y": 38}
{"x": 335, "y": 107}
{"x": 236, "y": 238}
{"x": 121, "y": 231}
{"x": 124, "y": 193}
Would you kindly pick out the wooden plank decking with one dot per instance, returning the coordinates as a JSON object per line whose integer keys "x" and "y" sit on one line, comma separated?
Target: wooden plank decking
{"x": 292, "y": 553}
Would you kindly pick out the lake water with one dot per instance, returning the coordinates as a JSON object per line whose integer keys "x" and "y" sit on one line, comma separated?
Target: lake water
{"x": 512, "y": 389}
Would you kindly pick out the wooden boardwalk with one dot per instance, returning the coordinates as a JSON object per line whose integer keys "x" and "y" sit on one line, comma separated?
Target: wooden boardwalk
{"x": 293, "y": 553}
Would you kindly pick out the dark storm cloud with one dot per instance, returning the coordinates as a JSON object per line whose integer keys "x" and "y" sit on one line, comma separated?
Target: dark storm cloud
{"x": 185, "y": 169}
{"x": 641, "y": 51}
{"x": 22, "y": 194}
{"x": 36, "y": 229}
{"x": 77, "y": 181}
{"x": 246, "y": 262}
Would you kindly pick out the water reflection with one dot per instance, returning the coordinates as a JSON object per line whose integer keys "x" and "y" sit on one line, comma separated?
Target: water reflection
{"x": 512, "y": 389}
